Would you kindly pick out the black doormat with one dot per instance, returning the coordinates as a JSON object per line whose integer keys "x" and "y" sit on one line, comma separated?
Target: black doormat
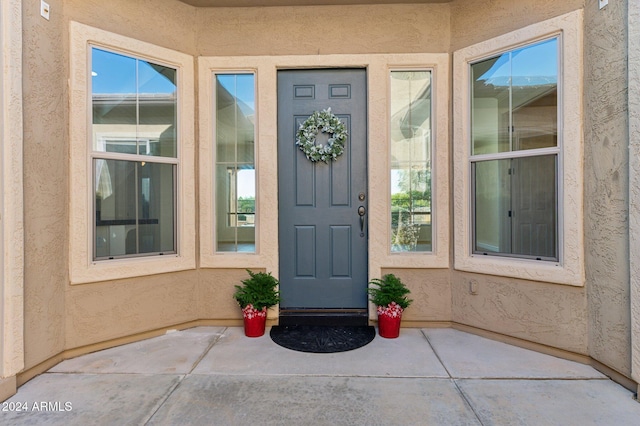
{"x": 322, "y": 339}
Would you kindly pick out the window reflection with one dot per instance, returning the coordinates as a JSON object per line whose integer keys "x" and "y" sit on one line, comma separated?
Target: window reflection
{"x": 411, "y": 161}
{"x": 514, "y": 106}
{"x": 134, "y": 105}
{"x": 515, "y": 100}
{"x": 134, "y": 208}
{"x": 235, "y": 168}
{"x": 133, "y": 113}
{"x": 515, "y": 206}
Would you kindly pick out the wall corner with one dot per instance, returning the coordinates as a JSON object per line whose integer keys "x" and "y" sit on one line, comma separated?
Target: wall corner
{"x": 8, "y": 388}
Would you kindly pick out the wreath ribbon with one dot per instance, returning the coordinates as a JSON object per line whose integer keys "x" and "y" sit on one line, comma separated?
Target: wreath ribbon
{"x": 326, "y": 122}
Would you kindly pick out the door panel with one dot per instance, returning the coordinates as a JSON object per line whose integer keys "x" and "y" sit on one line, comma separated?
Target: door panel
{"x": 323, "y": 251}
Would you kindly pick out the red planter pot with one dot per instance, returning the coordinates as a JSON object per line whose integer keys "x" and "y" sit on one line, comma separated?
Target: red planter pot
{"x": 254, "y": 321}
{"x": 388, "y": 326}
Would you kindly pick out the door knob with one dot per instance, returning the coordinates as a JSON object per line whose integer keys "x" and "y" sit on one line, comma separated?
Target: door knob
{"x": 361, "y": 212}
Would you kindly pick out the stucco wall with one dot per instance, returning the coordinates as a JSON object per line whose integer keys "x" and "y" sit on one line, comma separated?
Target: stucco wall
{"x": 11, "y": 198}
{"x": 634, "y": 182}
{"x": 473, "y": 21}
{"x": 45, "y": 181}
{"x": 106, "y": 310}
{"x": 606, "y": 184}
{"x": 411, "y": 28}
{"x": 166, "y": 23}
{"x": 59, "y": 316}
{"x": 550, "y": 314}
{"x": 430, "y": 291}
{"x": 101, "y": 311}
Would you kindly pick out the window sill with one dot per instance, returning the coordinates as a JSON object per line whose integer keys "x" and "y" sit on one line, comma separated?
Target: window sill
{"x": 425, "y": 260}
{"x": 526, "y": 269}
{"x": 234, "y": 260}
{"x": 115, "y": 269}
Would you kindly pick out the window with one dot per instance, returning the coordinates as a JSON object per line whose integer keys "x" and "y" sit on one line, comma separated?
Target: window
{"x": 235, "y": 163}
{"x": 410, "y": 143}
{"x": 132, "y": 143}
{"x": 514, "y": 152}
{"x": 518, "y": 150}
{"x": 134, "y": 155}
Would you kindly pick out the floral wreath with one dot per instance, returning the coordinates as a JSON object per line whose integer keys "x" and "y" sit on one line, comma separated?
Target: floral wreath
{"x": 325, "y": 122}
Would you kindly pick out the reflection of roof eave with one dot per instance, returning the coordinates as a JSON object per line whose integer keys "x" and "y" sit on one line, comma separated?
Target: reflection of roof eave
{"x": 534, "y": 91}
{"x": 545, "y": 91}
{"x": 132, "y": 99}
{"x": 505, "y": 81}
{"x": 420, "y": 110}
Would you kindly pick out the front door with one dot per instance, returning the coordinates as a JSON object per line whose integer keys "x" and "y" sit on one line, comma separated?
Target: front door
{"x": 322, "y": 207}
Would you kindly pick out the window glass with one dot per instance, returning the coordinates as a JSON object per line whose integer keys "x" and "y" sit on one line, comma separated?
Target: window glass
{"x": 514, "y": 109}
{"x": 134, "y": 208}
{"x": 134, "y": 113}
{"x": 514, "y": 100}
{"x": 515, "y": 207}
{"x": 134, "y": 104}
{"x": 411, "y": 136}
{"x": 235, "y": 168}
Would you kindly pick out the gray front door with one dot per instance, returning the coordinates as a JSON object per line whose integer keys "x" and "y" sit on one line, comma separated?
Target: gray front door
{"x": 323, "y": 239}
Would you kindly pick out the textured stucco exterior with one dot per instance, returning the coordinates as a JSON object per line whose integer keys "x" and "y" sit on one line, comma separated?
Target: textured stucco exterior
{"x": 544, "y": 313}
{"x": 430, "y": 292}
{"x": 11, "y": 193}
{"x": 606, "y": 184}
{"x": 589, "y": 318}
{"x": 473, "y": 21}
{"x": 633, "y": 38}
{"x": 407, "y": 28}
{"x": 499, "y": 304}
{"x": 45, "y": 181}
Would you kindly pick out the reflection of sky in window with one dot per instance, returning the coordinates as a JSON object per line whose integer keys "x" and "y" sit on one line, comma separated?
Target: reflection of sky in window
{"x": 240, "y": 86}
{"x": 246, "y": 183}
{"x": 395, "y": 181}
{"x": 526, "y": 65}
{"x": 115, "y": 73}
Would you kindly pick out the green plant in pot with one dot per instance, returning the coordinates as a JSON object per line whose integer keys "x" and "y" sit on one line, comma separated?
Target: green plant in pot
{"x": 256, "y": 294}
{"x": 389, "y": 294}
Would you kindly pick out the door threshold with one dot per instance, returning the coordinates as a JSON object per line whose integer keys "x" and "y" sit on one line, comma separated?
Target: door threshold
{"x": 324, "y": 317}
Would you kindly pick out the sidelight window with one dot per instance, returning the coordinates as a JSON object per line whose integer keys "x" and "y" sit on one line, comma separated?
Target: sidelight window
{"x": 411, "y": 147}
{"x": 235, "y": 163}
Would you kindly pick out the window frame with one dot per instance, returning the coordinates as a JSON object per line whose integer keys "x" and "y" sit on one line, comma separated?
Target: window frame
{"x": 214, "y": 164}
{"x": 97, "y": 154}
{"x": 83, "y": 268}
{"x": 438, "y": 256}
{"x": 517, "y": 154}
{"x": 432, "y": 163}
{"x": 210, "y": 257}
{"x": 569, "y": 268}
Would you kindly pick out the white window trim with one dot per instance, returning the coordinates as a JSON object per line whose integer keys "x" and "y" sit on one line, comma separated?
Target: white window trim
{"x": 570, "y": 267}
{"x": 266, "y": 161}
{"x": 83, "y": 269}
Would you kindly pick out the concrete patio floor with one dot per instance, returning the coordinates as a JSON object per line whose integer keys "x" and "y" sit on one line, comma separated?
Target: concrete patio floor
{"x": 216, "y": 376}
